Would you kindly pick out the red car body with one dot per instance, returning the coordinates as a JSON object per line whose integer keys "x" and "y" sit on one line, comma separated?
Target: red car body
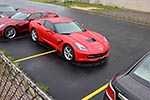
{"x": 87, "y": 45}
{"x": 19, "y": 24}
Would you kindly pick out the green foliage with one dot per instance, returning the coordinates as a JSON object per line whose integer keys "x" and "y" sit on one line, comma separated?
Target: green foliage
{"x": 6, "y": 53}
{"x": 86, "y": 5}
{"x": 40, "y": 85}
{"x": 43, "y": 87}
{"x": 80, "y": 4}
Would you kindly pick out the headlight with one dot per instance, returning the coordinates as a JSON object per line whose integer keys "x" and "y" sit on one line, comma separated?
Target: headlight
{"x": 2, "y": 25}
{"x": 80, "y": 47}
{"x": 105, "y": 40}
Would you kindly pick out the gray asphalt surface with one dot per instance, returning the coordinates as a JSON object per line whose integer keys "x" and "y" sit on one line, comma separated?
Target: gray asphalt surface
{"x": 66, "y": 81}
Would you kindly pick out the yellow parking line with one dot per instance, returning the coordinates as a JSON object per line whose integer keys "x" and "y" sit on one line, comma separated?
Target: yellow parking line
{"x": 95, "y": 92}
{"x": 34, "y": 56}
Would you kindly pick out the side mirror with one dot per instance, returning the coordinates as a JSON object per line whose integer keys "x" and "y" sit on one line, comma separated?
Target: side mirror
{"x": 17, "y": 9}
{"x": 82, "y": 25}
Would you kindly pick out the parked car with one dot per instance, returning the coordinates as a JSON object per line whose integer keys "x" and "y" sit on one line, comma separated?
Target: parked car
{"x": 19, "y": 23}
{"x": 73, "y": 41}
{"x": 131, "y": 84}
{"x": 7, "y": 10}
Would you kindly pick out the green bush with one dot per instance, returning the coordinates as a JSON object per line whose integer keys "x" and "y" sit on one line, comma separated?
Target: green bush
{"x": 43, "y": 87}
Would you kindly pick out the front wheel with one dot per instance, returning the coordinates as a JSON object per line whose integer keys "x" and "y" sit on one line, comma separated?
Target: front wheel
{"x": 34, "y": 35}
{"x": 68, "y": 53}
{"x": 10, "y": 32}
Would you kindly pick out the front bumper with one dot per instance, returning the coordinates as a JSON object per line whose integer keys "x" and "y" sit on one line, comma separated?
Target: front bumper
{"x": 87, "y": 57}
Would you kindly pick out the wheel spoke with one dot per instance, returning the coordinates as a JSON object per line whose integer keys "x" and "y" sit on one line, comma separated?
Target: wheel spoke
{"x": 70, "y": 55}
{"x": 8, "y": 34}
{"x": 67, "y": 50}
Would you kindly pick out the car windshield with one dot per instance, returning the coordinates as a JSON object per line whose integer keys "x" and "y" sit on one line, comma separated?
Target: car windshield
{"x": 7, "y": 9}
{"x": 68, "y": 27}
{"x": 143, "y": 70}
{"x": 20, "y": 16}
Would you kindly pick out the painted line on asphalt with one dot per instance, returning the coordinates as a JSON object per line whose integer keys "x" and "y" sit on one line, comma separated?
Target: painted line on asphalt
{"x": 95, "y": 92}
{"x": 34, "y": 56}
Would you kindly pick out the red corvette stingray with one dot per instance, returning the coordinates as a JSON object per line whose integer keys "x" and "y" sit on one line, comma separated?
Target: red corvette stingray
{"x": 74, "y": 42}
{"x": 19, "y": 23}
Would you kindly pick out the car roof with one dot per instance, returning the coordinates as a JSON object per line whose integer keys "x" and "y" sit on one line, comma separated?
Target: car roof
{"x": 59, "y": 20}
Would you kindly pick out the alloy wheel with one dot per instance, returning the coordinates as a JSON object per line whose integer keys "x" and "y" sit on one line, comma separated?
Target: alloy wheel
{"x": 68, "y": 53}
{"x": 34, "y": 35}
{"x": 10, "y": 32}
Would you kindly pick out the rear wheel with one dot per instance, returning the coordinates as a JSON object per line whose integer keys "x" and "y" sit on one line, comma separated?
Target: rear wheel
{"x": 10, "y": 32}
{"x": 68, "y": 53}
{"x": 34, "y": 35}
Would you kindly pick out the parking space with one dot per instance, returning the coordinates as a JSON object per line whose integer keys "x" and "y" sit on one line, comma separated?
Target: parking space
{"x": 70, "y": 82}
{"x": 46, "y": 63}
{"x": 89, "y": 96}
{"x": 34, "y": 56}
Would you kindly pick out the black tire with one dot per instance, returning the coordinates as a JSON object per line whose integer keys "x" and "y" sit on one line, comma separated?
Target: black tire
{"x": 34, "y": 35}
{"x": 10, "y": 32}
{"x": 68, "y": 53}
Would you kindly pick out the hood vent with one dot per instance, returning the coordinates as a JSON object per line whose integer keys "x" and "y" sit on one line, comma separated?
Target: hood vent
{"x": 91, "y": 40}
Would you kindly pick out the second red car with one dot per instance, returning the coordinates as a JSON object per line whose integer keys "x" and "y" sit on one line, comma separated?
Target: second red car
{"x": 19, "y": 23}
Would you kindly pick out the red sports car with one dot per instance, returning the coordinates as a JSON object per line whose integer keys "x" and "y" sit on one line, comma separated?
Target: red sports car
{"x": 73, "y": 41}
{"x": 19, "y": 23}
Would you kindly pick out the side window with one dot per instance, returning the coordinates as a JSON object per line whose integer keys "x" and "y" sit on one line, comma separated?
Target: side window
{"x": 43, "y": 22}
{"x": 38, "y": 15}
{"x": 49, "y": 25}
{"x": 43, "y": 14}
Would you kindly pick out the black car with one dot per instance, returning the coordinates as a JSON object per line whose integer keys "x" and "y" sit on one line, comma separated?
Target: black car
{"x": 131, "y": 84}
{"x": 7, "y": 10}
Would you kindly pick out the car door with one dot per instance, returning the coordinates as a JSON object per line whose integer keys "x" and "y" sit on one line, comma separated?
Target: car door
{"x": 48, "y": 34}
{"x": 23, "y": 26}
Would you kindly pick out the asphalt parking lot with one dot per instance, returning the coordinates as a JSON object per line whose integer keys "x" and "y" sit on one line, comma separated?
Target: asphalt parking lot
{"x": 69, "y": 82}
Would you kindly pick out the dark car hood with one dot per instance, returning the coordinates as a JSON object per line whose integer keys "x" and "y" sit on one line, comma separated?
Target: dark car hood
{"x": 132, "y": 89}
{"x": 90, "y": 39}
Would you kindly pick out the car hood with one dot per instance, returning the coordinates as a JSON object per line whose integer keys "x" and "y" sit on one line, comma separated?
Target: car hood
{"x": 7, "y": 13}
{"x": 7, "y": 20}
{"x": 132, "y": 89}
{"x": 89, "y": 39}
